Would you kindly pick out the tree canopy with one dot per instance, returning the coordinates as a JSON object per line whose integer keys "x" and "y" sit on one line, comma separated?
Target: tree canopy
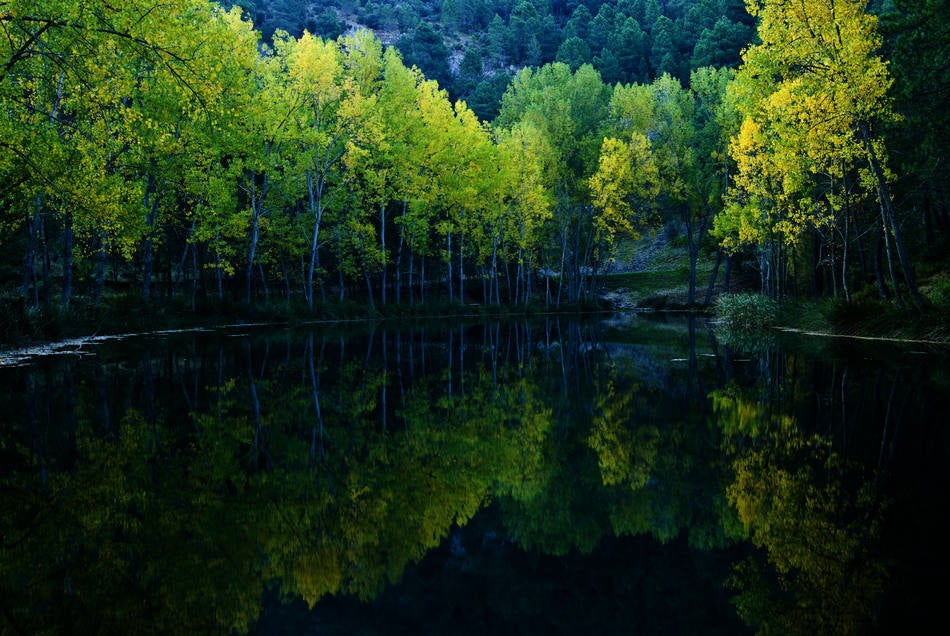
{"x": 197, "y": 161}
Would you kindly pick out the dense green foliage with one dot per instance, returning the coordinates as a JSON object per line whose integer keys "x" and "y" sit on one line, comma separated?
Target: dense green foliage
{"x": 474, "y": 47}
{"x": 180, "y": 156}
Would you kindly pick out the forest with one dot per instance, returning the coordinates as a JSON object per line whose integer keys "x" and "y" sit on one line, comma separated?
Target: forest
{"x": 473, "y": 48}
{"x": 194, "y": 155}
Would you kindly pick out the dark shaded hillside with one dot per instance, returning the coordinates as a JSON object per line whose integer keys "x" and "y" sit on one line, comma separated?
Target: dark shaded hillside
{"x": 472, "y": 47}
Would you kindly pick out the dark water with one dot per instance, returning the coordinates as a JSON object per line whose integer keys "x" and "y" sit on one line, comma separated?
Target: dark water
{"x": 549, "y": 477}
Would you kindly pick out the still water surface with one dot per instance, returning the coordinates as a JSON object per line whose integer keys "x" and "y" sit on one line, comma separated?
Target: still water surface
{"x": 632, "y": 475}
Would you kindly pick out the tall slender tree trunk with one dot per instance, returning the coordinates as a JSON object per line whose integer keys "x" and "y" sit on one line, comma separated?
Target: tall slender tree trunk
{"x": 369, "y": 289}
{"x": 285, "y": 276}
{"x": 462, "y": 264}
{"x": 563, "y": 269}
{"x": 257, "y": 195}
{"x": 889, "y": 218}
{"x": 29, "y": 263}
{"x": 878, "y": 273}
{"x": 493, "y": 273}
{"x": 529, "y": 270}
{"x": 692, "y": 243}
{"x": 180, "y": 270}
{"x": 369, "y": 284}
{"x": 315, "y": 198}
{"x": 412, "y": 261}
{"x": 382, "y": 239}
{"x": 519, "y": 276}
{"x": 67, "y": 258}
{"x": 576, "y": 263}
{"x": 322, "y": 284}
{"x": 100, "y": 268}
{"x": 260, "y": 269}
{"x": 397, "y": 280}
{"x": 252, "y": 252}
{"x": 547, "y": 289}
{"x": 727, "y": 275}
{"x": 844, "y": 259}
{"x": 195, "y": 275}
{"x": 151, "y": 203}
{"x": 184, "y": 258}
{"x": 47, "y": 288}
{"x": 422, "y": 278}
{"x": 712, "y": 278}
{"x": 833, "y": 257}
{"x": 219, "y": 269}
{"x": 448, "y": 248}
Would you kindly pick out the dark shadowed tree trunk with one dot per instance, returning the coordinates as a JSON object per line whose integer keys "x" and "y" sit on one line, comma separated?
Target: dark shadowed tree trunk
{"x": 889, "y": 220}
{"x": 29, "y": 265}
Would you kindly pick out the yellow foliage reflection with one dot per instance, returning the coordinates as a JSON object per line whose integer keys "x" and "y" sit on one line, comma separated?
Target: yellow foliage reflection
{"x": 815, "y": 518}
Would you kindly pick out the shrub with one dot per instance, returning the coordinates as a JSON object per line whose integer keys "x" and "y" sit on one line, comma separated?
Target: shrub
{"x": 937, "y": 289}
{"x": 746, "y": 311}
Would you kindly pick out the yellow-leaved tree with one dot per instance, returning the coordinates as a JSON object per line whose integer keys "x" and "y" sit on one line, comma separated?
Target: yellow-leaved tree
{"x": 810, "y": 94}
{"x": 623, "y": 188}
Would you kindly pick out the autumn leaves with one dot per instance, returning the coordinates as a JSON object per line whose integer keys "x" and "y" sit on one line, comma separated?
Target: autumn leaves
{"x": 172, "y": 146}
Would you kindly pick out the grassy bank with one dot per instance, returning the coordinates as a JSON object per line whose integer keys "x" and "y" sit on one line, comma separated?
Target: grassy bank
{"x": 861, "y": 318}
{"x": 660, "y": 289}
{"x": 661, "y": 283}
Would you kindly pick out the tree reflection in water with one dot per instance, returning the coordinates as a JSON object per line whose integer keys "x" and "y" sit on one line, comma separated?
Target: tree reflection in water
{"x": 171, "y": 484}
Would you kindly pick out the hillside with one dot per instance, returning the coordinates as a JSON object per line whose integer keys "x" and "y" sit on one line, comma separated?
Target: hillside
{"x": 473, "y": 47}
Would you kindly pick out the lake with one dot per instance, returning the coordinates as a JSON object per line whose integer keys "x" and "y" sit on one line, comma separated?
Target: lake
{"x": 621, "y": 474}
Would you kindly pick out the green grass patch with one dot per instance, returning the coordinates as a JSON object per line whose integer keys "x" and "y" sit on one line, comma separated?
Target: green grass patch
{"x": 648, "y": 282}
